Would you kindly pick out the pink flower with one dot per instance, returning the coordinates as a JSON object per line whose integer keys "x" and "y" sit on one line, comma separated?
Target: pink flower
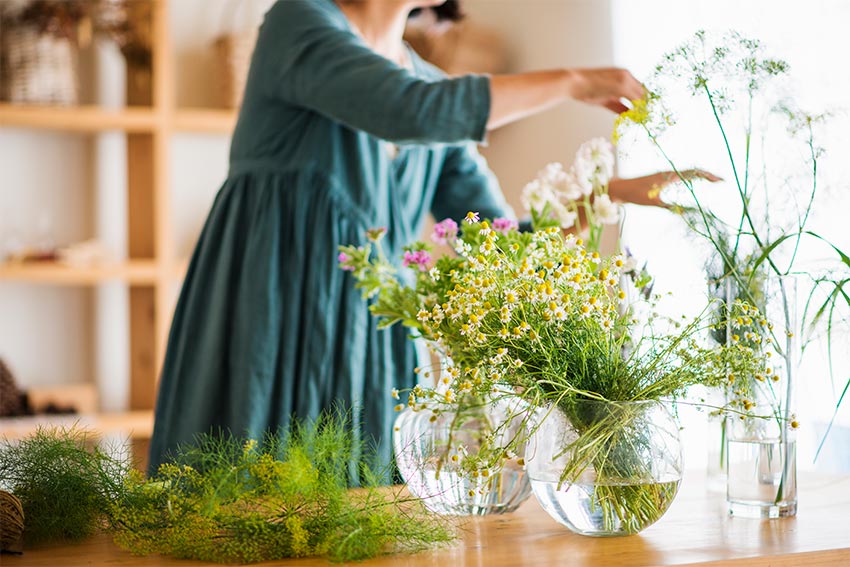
{"x": 444, "y": 230}
{"x": 504, "y": 225}
{"x": 343, "y": 258}
{"x": 419, "y": 258}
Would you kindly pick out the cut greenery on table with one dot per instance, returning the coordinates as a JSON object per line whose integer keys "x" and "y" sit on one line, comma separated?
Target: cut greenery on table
{"x": 221, "y": 499}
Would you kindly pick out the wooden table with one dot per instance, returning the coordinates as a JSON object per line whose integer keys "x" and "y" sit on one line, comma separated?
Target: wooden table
{"x": 695, "y": 531}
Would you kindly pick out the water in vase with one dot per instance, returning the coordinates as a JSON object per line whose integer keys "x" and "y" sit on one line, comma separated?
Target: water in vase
{"x": 448, "y": 492}
{"x": 606, "y": 509}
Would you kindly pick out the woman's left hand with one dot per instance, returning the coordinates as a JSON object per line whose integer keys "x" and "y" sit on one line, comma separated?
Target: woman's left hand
{"x": 647, "y": 190}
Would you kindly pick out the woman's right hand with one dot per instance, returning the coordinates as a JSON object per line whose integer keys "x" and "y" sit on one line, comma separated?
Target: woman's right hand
{"x": 604, "y": 87}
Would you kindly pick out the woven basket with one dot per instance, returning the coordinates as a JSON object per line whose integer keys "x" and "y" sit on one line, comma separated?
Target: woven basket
{"x": 11, "y": 523}
{"x": 39, "y": 68}
{"x": 233, "y": 51}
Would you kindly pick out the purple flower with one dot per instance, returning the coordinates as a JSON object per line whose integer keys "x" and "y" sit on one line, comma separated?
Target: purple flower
{"x": 444, "y": 230}
{"x": 504, "y": 225}
{"x": 419, "y": 258}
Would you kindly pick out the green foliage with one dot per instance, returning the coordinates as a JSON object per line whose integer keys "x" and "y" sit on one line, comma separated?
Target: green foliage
{"x": 221, "y": 499}
{"x": 65, "y": 484}
{"x": 233, "y": 501}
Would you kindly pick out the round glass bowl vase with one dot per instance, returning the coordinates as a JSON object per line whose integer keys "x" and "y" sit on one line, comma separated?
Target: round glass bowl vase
{"x": 425, "y": 444}
{"x": 605, "y": 468}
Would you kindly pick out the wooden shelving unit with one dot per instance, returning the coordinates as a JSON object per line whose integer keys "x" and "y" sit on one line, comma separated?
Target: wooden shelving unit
{"x": 150, "y": 121}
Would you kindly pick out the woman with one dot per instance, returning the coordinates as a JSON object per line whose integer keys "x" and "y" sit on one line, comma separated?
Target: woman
{"x": 342, "y": 129}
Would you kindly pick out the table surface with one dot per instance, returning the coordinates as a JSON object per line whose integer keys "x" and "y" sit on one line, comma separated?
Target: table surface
{"x": 695, "y": 531}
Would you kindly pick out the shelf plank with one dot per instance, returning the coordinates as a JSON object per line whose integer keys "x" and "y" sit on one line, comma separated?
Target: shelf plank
{"x": 133, "y": 271}
{"x": 136, "y": 425}
{"x": 131, "y": 119}
{"x": 211, "y": 121}
{"x": 78, "y": 118}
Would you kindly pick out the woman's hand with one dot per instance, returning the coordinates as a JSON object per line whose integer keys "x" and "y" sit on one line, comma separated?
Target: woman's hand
{"x": 603, "y": 87}
{"x": 647, "y": 190}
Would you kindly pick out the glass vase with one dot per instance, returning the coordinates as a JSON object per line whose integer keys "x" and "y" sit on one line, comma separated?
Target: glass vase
{"x": 716, "y": 443}
{"x": 605, "y": 468}
{"x": 761, "y": 445}
{"x": 427, "y": 448}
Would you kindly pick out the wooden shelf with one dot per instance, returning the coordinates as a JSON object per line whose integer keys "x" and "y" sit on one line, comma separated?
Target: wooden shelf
{"x": 132, "y": 119}
{"x": 203, "y": 120}
{"x": 134, "y": 272}
{"x": 78, "y": 118}
{"x": 136, "y": 425}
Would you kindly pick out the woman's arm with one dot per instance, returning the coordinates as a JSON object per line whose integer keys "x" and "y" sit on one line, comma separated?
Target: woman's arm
{"x": 647, "y": 190}
{"x": 307, "y": 56}
{"x": 516, "y": 96}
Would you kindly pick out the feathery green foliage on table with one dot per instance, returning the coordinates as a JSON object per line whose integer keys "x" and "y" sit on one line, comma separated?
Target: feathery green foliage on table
{"x": 228, "y": 500}
{"x": 222, "y": 499}
{"x": 65, "y": 484}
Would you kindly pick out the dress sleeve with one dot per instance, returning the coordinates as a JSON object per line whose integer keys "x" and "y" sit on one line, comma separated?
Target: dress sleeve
{"x": 467, "y": 184}
{"x": 312, "y": 59}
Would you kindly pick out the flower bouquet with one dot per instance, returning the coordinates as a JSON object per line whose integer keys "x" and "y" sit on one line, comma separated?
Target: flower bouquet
{"x": 536, "y": 316}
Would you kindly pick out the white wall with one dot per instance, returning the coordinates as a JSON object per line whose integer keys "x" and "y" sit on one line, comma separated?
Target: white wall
{"x": 545, "y": 34}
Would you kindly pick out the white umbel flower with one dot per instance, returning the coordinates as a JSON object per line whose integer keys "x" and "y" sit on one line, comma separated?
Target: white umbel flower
{"x": 536, "y": 195}
{"x": 576, "y": 185}
{"x": 596, "y": 157}
{"x": 605, "y": 211}
{"x": 566, "y": 217}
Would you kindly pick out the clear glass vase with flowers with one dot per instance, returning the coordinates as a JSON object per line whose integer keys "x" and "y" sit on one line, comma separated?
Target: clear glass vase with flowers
{"x": 536, "y": 316}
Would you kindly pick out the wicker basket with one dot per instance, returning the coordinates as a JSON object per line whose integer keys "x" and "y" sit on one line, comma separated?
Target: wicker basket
{"x": 11, "y": 523}
{"x": 39, "y": 68}
{"x": 234, "y": 48}
{"x": 233, "y": 51}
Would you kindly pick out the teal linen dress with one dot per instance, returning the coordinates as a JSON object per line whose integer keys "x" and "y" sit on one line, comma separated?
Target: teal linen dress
{"x": 267, "y": 326}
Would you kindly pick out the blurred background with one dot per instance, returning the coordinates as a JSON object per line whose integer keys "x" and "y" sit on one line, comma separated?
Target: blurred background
{"x": 114, "y": 135}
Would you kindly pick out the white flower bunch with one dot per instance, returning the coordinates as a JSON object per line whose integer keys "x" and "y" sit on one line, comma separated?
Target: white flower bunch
{"x": 560, "y": 195}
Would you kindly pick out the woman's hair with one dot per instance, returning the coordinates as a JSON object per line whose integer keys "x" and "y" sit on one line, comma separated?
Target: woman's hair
{"x": 450, "y": 11}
